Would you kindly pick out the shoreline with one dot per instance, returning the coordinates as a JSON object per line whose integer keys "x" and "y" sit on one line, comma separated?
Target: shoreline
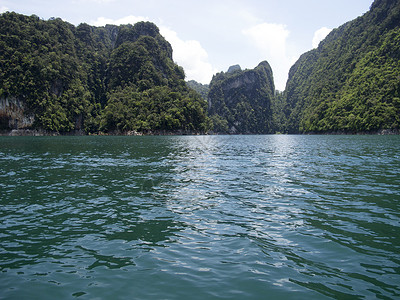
{"x": 40, "y": 132}
{"x": 371, "y": 132}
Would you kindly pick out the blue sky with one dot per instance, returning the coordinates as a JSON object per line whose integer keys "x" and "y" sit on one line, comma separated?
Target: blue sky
{"x": 208, "y": 36}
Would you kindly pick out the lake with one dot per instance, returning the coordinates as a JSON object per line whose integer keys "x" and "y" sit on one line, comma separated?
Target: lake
{"x": 200, "y": 217}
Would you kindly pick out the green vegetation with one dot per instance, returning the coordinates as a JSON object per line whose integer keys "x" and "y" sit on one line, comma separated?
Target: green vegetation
{"x": 351, "y": 82}
{"x": 155, "y": 109}
{"x": 117, "y": 79}
{"x": 85, "y": 78}
{"x": 202, "y": 89}
{"x": 240, "y": 101}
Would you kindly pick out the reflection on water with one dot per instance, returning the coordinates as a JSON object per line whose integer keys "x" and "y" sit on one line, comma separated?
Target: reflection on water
{"x": 298, "y": 217}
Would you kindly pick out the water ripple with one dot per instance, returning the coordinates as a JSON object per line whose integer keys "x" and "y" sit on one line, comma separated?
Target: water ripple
{"x": 295, "y": 217}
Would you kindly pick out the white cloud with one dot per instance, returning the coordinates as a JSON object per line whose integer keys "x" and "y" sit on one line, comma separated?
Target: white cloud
{"x": 96, "y": 1}
{"x": 191, "y": 56}
{"x": 101, "y": 21}
{"x": 3, "y": 9}
{"x": 319, "y": 35}
{"x": 271, "y": 40}
{"x": 102, "y": 1}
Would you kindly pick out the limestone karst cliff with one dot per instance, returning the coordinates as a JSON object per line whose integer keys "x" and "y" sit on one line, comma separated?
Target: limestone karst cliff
{"x": 58, "y": 77}
{"x": 351, "y": 82}
{"x": 240, "y": 101}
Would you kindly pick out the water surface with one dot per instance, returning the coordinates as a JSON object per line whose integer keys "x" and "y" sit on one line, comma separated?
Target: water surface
{"x": 200, "y": 217}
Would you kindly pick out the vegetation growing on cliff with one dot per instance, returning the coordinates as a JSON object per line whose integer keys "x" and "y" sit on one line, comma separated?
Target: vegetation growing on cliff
{"x": 202, "y": 89}
{"x": 122, "y": 78}
{"x": 240, "y": 101}
{"x": 86, "y": 78}
{"x": 351, "y": 82}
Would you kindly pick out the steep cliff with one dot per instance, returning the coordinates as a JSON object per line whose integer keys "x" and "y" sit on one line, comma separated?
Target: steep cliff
{"x": 13, "y": 114}
{"x": 240, "y": 101}
{"x": 64, "y": 78}
{"x": 351, "y": 82}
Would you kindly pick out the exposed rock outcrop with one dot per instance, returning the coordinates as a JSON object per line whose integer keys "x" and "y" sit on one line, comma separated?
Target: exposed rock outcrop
{"x": 240, "y": 101}
{"x": 13, "y": 115}
{"x": 234, "y": 68}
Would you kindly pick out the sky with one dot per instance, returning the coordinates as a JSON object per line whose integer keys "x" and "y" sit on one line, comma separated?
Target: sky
{"x": 208, "y": 36}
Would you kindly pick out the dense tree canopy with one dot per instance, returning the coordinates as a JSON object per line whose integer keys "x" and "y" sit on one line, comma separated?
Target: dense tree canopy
{"x": 202, "y": 89}
{"x": 117, "y": 79}
{"x": 88, "y": 78}
{"x": 351, "y": 82}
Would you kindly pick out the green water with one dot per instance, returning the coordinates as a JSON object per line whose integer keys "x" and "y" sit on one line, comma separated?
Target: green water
{"x": 200, "y": 217}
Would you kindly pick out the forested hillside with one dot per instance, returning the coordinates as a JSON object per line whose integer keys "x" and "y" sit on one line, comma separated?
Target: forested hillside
{"x": 202, "y": 89}
{"x": 351, "y": 82}
{"x": 240, "y": 101}
{"x": 58, "y": 77}
{"x": 61, "y": 78}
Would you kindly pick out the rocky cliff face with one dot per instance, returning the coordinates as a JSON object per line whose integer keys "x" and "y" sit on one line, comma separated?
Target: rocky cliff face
{"x": 13, "y": 115}
{"x": 58, "y": 77}
{"x": 240, "y": 101}
{"x": 234, "y": 68}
